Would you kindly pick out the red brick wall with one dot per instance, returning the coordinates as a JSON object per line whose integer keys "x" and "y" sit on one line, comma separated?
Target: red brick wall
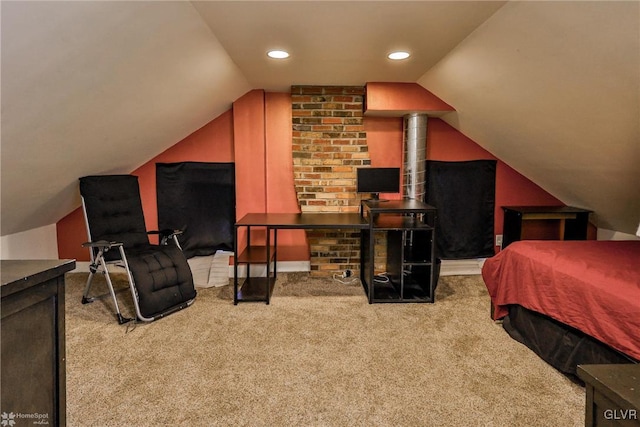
{"x": 329, "y": 143}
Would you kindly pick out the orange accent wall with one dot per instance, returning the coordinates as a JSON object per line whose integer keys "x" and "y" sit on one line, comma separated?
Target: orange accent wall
{"x": 211, "y": 143}
{"x": 512, "y": 188}
{"x": 264, "y": 167}
{"x": 398, "y": 99}
{"x": 256, "y": 135}
{"x": 72, "y": 233}
{"x": 260, "y": 125}
{"x": 384, "y": 142}
{"x": 447, "y": 144}
{"x": 249, "y": 152}
{"x": 281, "y": 195}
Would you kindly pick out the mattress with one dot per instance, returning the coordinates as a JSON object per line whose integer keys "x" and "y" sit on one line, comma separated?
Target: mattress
{"x": 592, "y": 286}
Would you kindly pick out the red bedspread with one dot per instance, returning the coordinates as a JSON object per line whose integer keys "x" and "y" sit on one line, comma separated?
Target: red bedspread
{"x": 593, "y": 286}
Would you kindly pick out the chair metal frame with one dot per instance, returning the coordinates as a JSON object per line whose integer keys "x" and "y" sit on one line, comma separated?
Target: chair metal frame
{"x": 98, "y": 264}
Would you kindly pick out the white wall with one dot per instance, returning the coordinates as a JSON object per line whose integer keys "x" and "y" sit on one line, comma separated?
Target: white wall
{"x": 38, "y": 243}
{"x": 604, "y": 234}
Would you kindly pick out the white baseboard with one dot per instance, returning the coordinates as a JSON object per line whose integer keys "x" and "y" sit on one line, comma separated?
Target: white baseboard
{"x": 81, "y": 267}
{"x": 256, "y": 270}
{"x": 283, "y": 267}
{"x": 462, "y": 267}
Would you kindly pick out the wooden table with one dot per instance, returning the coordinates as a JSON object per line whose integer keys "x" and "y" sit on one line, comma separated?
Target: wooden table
{"x": 544, "y": 223}
{"x": 612, "y": 394}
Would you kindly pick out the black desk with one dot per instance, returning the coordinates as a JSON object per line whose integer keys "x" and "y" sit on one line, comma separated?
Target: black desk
{"x": 33, "y": 339}
{"x": 260, "y": 288}
{"x": 411, "y": 263}
{"x": 412, "y": 269}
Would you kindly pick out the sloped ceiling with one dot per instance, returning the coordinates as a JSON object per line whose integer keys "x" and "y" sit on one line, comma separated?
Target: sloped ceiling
{"x": 340, "y": 42}
{"x": 101, "y": 87}
{"x": 553, "y": 89}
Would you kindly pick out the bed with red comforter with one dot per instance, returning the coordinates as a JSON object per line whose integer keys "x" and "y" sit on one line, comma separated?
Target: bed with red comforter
{"x": 589, "y": 286}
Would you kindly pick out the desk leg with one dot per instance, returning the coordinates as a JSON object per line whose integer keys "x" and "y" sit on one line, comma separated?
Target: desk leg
{"x": 268, "y": 278}
{"x": 372, "y": 263}
{"x": 561, "y": 229}
{"x": 434, "y": 261}
{"x": 248, "y": 245}
{"x": 362, "y": 275}
{"x": 235, "y": 267}
{"x": 275, "y": 255}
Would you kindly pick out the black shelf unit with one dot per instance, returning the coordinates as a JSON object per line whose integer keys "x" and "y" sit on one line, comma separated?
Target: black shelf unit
{"x": 412, "y": 268}
{"x": 254, "y": 288}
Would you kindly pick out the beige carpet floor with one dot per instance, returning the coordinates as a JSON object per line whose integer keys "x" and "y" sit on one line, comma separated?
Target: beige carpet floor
{"x": 318, "y": 355}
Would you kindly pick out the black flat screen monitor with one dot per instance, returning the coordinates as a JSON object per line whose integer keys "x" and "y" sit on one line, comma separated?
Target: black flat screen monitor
{"x": 378, "y": 180}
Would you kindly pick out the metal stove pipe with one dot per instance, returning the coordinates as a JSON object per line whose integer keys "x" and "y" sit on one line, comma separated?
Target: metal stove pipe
{"x": 415, "y": 156}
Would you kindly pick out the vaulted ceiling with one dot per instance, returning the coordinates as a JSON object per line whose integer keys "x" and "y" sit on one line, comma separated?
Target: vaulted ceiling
{"x": 552, "y": 88}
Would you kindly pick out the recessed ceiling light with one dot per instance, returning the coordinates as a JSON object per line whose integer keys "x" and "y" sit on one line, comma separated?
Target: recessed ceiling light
{"x": 398, "y": 55}
{"x": 278, "y": 54}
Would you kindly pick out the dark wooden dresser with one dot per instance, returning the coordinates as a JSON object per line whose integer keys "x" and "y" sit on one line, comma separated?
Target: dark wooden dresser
{"x": 612, "y": 394}
{"x": 544, "y": 223}
{"x": 33, "y": 341}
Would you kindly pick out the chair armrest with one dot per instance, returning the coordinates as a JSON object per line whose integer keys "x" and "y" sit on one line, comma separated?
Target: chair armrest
{"x": 166, "y": 235}
{"x": 102, "y": 244}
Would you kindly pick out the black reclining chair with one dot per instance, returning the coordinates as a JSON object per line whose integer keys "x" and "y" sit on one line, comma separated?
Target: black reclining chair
{"x": 159, "y": 276}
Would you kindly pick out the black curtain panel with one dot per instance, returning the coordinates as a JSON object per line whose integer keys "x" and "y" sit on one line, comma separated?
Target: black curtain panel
{"x": 464, "y": 193}
{"x": 200, "y": 199}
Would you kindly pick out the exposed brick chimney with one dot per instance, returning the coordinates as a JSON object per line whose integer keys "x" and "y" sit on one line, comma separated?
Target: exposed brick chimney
{"x": 329, "y": 143}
